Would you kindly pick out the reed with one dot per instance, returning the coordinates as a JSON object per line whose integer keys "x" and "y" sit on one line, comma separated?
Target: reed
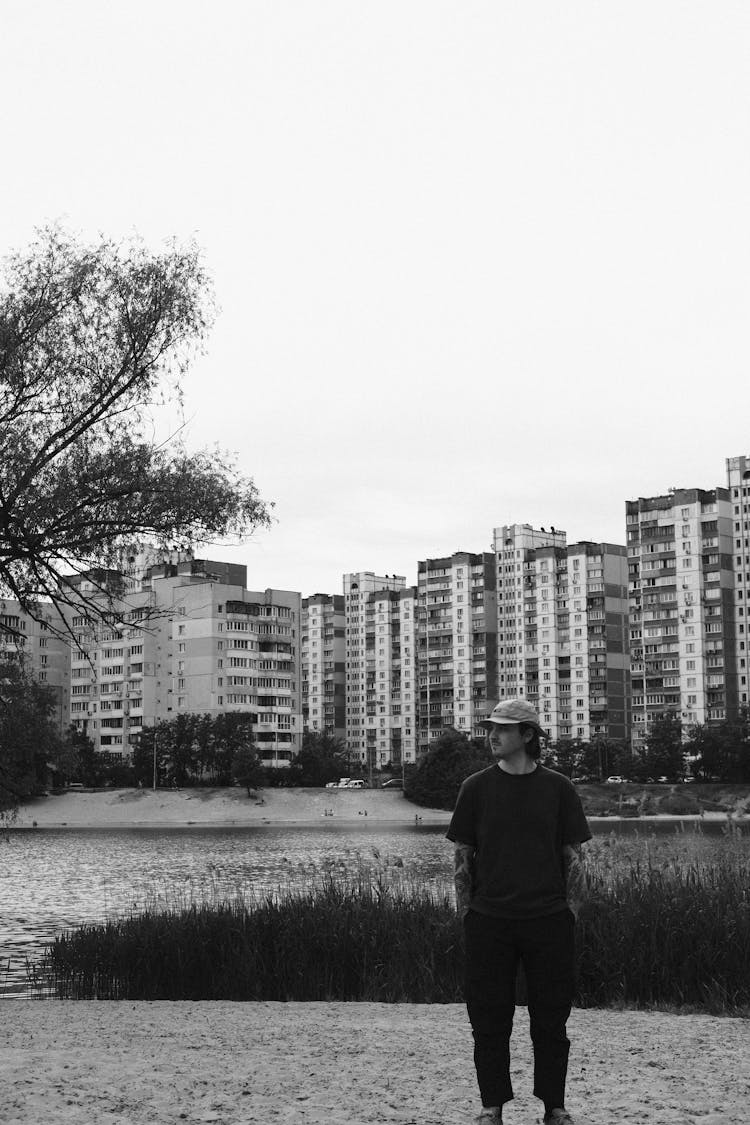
{"x": 665, "y": 926}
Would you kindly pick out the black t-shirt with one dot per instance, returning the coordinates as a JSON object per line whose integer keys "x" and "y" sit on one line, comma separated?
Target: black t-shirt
{"x": 518, "y": 824}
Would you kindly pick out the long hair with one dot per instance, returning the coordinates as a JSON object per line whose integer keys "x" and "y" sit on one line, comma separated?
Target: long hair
{"x": 534, "y": 745}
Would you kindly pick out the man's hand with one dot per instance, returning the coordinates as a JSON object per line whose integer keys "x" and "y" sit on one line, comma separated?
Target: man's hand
{"x": 463, "y": 877}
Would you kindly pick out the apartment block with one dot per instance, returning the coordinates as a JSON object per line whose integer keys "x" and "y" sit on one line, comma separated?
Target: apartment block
{"x": 191, "y": 638}
{"x": 323, "y": 656}
{"x": 380, "y": 679}
{"x": 456, "y": 643}
{"x": 738, "y": 483}
{"x": 562, "y": 631}
{"x": 682, "y": 622}
{"x": 45, "y": 654}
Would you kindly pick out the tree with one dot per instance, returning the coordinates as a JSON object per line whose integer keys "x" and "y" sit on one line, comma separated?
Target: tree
{"x": 722, "y": 750}
{"x": 29, "y": 741}
{"x": 87, "y": 765}
{"x": 321, "y": 759}
{"x": 663, "y": 754}
{"x": 565, "y": 755}
{"x": 449, "y": 761}
{"x": 193, "y": 749}
{"x": 247, "y": 769}
{"x": 91, "y": 338}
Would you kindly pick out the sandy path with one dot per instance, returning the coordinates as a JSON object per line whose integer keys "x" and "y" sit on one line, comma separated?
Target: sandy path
{"x": 346, "y": 1064}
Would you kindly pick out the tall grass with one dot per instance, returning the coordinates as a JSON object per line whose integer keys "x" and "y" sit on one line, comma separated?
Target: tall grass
{"x": 664, "y": 926}
{"x": 361, "y": 937}
{"x": 667, "y": 923}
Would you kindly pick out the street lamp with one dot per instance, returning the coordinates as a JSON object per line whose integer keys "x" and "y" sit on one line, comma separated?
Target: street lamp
{"x": 154, "y": 759}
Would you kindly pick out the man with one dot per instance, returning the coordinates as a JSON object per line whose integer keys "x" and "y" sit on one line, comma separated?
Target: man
{"x": 518, "y": 829}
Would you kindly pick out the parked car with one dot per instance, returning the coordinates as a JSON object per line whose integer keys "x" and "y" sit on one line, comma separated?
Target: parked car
{"x": 615, "y": 779}
{"x": 394, "y": 783}
{"x": 356, "y": 784}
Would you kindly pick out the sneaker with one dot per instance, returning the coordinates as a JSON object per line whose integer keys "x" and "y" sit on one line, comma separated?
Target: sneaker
{"x": 491, "y": 1116}
{"x": 558, "y": 1117}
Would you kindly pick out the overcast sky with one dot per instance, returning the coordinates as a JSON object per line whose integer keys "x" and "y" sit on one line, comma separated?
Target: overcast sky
{"x": 477, "y": 263}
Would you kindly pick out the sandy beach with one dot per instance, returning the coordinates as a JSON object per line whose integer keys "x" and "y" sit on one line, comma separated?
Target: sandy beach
{"x": 104, "y": 1063}
{"x": 143, "y": 808}
{"x": 146, "y": 808}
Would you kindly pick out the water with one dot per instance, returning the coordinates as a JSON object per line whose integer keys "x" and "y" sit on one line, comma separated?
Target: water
{"x": 53, "y": 880}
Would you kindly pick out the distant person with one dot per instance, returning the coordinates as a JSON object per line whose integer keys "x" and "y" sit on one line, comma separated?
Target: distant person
{"x": 518, "y": 829}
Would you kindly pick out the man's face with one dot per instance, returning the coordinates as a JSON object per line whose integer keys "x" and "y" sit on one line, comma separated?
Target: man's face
{"x": 505, "y": 740}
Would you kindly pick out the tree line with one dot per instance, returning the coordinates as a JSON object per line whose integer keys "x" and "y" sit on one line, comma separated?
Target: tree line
{"x": 717, "y": 753}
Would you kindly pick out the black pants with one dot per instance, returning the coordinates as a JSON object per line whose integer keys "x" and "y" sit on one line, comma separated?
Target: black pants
{"x": 546, "y": 948}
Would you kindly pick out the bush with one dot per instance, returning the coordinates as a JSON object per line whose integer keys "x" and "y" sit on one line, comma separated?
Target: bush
{"x": 679, "y": 804}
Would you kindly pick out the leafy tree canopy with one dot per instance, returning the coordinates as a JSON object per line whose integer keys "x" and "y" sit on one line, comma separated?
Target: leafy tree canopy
{"x": 29, "y": 741}
{"x": 449, "y": 761}
{"x": 91, "y": 339}
{"x": 194, "y": 749}
{"x": 722, "y": 750}
{"x": 321, "y": 759}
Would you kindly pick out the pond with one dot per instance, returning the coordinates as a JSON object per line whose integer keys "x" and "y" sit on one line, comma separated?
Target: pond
{"x": 53, "y": 880}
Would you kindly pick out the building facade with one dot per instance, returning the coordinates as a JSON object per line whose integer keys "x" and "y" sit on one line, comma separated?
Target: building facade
{"x": 562, "y": 631}
{"x": 189, "y": 637}
{"x": 738, "y": 484}
{"x": 323, "y": 655}
{"x": 380, "y": 687}
{"x": 456, "y": 643}
{"x": 682, "y": 621}
{"x": 43, "y": 651}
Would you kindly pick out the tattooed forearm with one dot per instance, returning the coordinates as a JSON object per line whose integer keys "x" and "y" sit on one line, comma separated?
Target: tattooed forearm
{"x": 463, "y": 877}
{"x": 575, "y": 876}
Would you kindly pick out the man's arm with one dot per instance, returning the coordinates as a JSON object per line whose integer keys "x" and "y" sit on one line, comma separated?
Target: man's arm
{"x": 463, "y": 877}
{"x": 575, "y": 876}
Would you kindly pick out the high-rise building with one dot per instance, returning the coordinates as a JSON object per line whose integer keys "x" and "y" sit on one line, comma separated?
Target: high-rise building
{"x": 738, "y": 482}
{"x": 682, "y": 626}
{"x": 456, "y": 643}
{"x": 562, "y": 631}
{"x": 379, "y": 657}
{"x": 190, "y": 638}
{"x": 515, "y": 547}
{"x": 41, "y": 648}
{"x": 323, "y": 655}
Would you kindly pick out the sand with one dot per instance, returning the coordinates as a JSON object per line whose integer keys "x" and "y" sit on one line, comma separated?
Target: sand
{"x": 123, "y": 808}
{"x": 92, "y": 1062}
{"x": 144, "y": 808}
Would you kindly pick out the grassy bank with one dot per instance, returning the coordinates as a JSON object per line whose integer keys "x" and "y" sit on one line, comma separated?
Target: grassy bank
{"x": 667, "y": 924}
{"x": 639, "y": 799}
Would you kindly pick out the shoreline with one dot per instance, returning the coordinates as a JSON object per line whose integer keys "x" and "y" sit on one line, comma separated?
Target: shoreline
{"x": 222, "y": 808}
{"x": 160, "y": 810}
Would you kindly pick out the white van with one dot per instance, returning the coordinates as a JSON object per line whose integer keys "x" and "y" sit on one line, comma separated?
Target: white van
{"x": 356, "y": 785}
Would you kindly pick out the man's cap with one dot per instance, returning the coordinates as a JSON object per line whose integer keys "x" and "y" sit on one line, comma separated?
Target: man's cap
{"x": 512, "y": 711}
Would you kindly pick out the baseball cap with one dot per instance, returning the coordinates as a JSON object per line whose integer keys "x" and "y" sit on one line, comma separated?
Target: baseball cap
{"x": 509, "y": 711}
